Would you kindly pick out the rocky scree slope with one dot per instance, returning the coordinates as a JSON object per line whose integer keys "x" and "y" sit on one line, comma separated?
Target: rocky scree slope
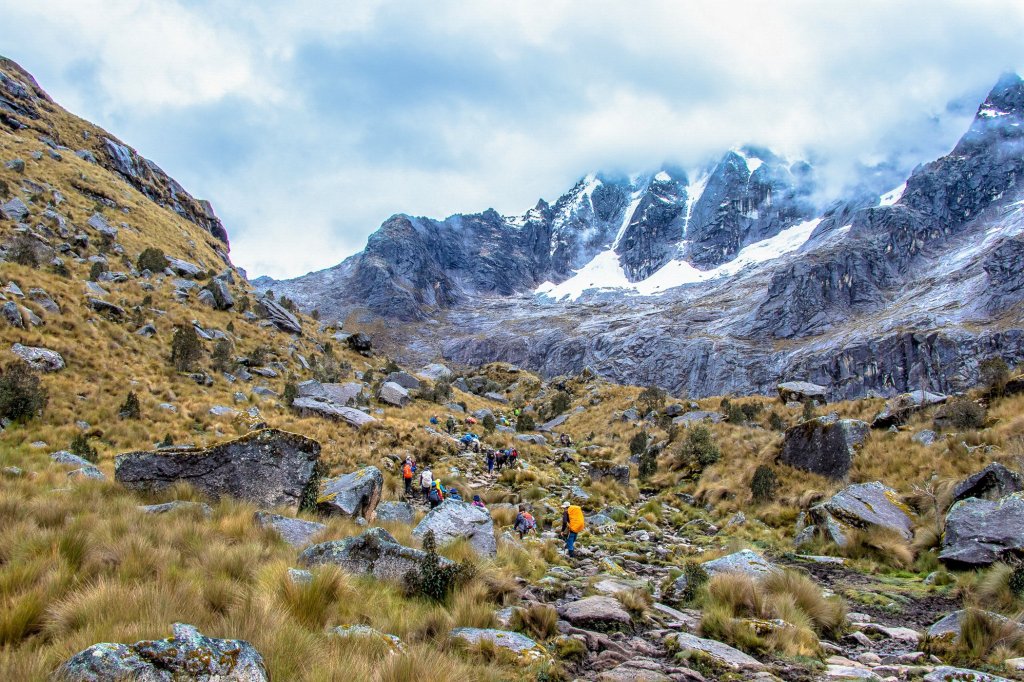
{"x": 717, "y": 282}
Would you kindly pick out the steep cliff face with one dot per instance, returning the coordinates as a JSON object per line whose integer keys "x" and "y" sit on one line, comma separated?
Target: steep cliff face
{"x": 722, "y": 279}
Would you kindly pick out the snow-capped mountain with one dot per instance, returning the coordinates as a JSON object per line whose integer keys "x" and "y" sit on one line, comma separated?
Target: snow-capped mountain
{"x": 723, "y": 278}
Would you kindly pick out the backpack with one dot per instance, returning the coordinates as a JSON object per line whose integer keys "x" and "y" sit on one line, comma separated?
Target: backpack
{"x": 530, "y": 522}
{"x": 575, "y": 518}
{"x": 407, "y": 471}
{"x": 434, "y": 495}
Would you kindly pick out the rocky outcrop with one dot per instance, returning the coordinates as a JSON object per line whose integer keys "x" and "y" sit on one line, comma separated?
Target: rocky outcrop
{"x": 347, "y": 394}
{"x": 825, "y": 445}
{"x": 296, "y": 532}
{"x": 979, "y": 532}
{"x": 278, "y": 315}
{"x": 864, "y": 505}
{"x": 991, "y": 483}
{"x": 404, "y": 379}
{"x": 616, "y": 472}
{"x": 270, "y": 468}
{"x": 503, "y": 639}
{"x": 436, "y": 372}
{"x": 355, "y": 494}
{"x": 721, "y": 654}
{"x": 453, "y": 520}
{"x": 393, "y": 394}
{"x": 39, "y": 359}
{"x": 323, "y": 407}
{"x": 375, "y": 553}
{"x": 802, "y": 392}
{"x": 397, "y": 512}
{"x": 598, "y": 613}
{"x": 899, "y": 409}
{"x": 188, "y": 654}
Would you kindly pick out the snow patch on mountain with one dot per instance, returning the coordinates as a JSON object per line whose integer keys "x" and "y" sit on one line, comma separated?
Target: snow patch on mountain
{"x": 605, "y": 273}
{"x": 891, "y": 197}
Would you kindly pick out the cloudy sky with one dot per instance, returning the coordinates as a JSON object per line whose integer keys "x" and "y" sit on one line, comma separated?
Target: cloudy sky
{"x": 308, "y": 123}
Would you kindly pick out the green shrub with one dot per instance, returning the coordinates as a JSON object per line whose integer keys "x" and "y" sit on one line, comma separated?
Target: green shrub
{"x": 652, "y": 398}
{"x": 699, "y": 450}
{"x": 152, "y": 259}
{"x": 80, "y": 446}
{"x": 167, "y": 442}
{"x": 22, "y": 395}
{"x": 130, "y": 408}
{"x": 696, "y": 577}
{"x": 221, "y": 358}
{"x": 764, "y": 484}
{"x": 311, "y": 493}
{"x": 638, "y": 443}
{"x": 432, "y": 579}
{"x": 1016, "y": 581}
{"x": 259, "y": 355}
{"x": 994, "y": 373}
{"x": 775, "y": 422}
{"x": 23, "y": 252}
{"x": 559, "y": 404}
{"x": 96, "y": 270}
{"x": 291, "y": 392}
{"x": 185, "y": 348}
{"x": 488, "y": 423}
{"x": 735, "y": 415}
{"x": 648, "y": 465}
{"x": 525, "y": 423}
{"x": 963, "y": 414}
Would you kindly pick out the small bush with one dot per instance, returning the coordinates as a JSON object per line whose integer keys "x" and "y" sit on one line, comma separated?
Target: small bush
{"x": 96, "y": 270}
{"x": 539, "y": 621}
{"x": 559, "y": 404}
{"x": 696, "y": 578}
{"x": 764, "y": 484}
{"x": 489, "y": 423}
{"x": 152, "y": 259}
{"x": 808, "y": 413}
{"x": 130, "y": 408}
{"x": 963, "y": 414}
{"x": 775, "y": 422}
{"x": 80, "y": 446}
{"x": 22, "y": 395}
{"x": 221, "y": 357}
{"x": 698, "y": 451}
{"x": 525, "y": 423}
{"x": 638, "y": 443}
{"x": 736, "y": 415}
{"x": 652, "y": 399}
{"x": 23, "y": 252}
{"x": 637, "y": 601}
{"x": 994, "y": 373}
{"x": 441, "y": 393}
{"x": 648, "y": 465}
{"x": 167, "y": 442}
{"x": 1016, "y": 581}
{"x": 432, "y": 579}
{"x": 259, "y": 355}
{"x": 291, "y": 392}
{"x": 185, "y": 348}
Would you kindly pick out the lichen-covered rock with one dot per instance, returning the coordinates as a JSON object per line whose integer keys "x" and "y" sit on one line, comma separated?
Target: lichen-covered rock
{"x": 40, "y": 359}
{"x": 617, "y": 472}
{"x": 393, "y": 394}
{"x": 187, "y": 655}
{"x": 991, "y": 483}
{"x": 721, "y": 654}
{"x": 863, "y": 505}
{"x": 744, "y": 561}
{"x": 698, "y": 416}
{"x": 436, "y": 372}
{"x": 825, "y": 445}
{"x": 296, "y": 532}
{"x": 392, "y": 643}
{"x": 802, "y": 392}
{"x": 268, "y": 467}
{"x": 596, "y": 613}
{"x": 454, "y": 520}
{"x": 176, "y": 505}
{"x": 515, "y": 642}
{"x": 404, "y": 379}
{"x": 979, "y": 532}
{"x": 375, "y": 552}
{"x": 354, "y": 494}
{"x": 398, "y": 512}
{"x": 323, "y": 407}
{"x": 278, "y": 315}
{"x": 348, "y": 394}
{"x": 899, "y": 409}
{"x": 945, "y": 673}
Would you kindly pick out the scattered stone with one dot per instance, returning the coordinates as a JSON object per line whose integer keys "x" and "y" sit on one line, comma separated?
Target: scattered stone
{"x": 88, "y": 472}
{"x": 745, "y": 561}
{"x": 114, "y": 312}
{"x": 825, "y": 445}
{"x": 991, "y": 483}
{"x": 321, "y": 407}
{"x": 698, "y": 416}
{"x": 223, "y": 411}
{"x": 503, "y": 639}
{"x": 802, "y": 392}
{"x": 296, "y": 532}
{"x": 12, "y": 314}
{"x": 365, "y": 632}
{"x": 15, "y": 210}
{"x": 187, "y": 655}
{"x": 496, "y": 397}
{"x": 947, "y": 628}
{"x": 147, "y": 330}
{"x": 375, "y": 552}
{"x": 453, "y": 520}
{"x": 393, "y": 394}
{"x": 40, "y": 359}
{"x": 861, "y": 506}
{"x": 183, "y": 267}
{"x": 947, "y": 673}
{"x": 532, "y": 438}
{"x": 299, "y": 576}
{"x": 721, "y": 654}
{"x": 176, "y": 505}
{"x": 404, "y": 379}
{"x": 399, "y": 512}
{"x": 13, "y": 472}
{"x": 639, "y": 670}
{"x": 349, "y": 394}
{"x": 354, "y": 494}
{"x": 267, "y": 467}
{"x": 979, "y": 532}
{"x": 436, "y": 372}
{"x": 899, "y": 409}
{"x": 617, "y": 472}
{"x": 278, "y": 316}
{"x": 65, "y": 457}
{"x": 97, "y": 222}
{"x": 927, "y": 437}
{"x": 601, "y": 614}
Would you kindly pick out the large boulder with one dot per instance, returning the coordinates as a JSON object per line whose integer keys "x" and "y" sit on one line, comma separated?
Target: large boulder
{"x": 617, "y": 472}
{"x": 824, "y": 446}
{"x": 393, "y": 394}
{"x": 296, "y": 532}
{"x": 398, "y": 512}
{"x": 802, "y": 392}
{"x": 322, "y": 407}
{"x": 698, "y": 416}
{"x": 405, "y": 380}
{"x": 991, "y": 483}
{"x": 864, "y": 505}
{"x": 349, "y": 393}
{"x": 596, "y": 613}
{"x": 40, "y": 359}
{"x": 945, "y": 673}
{"x": 979, "y": 532}
{"x": 947, "y": 629}
{"x": 745, "y": 561}
{"x": 354, "y": 494}
{"x": 183, "y": 267}
{"x": 452, "y": 520}
{"x": 375, "y": 552}
{"x": 899, "y": 409}
{"x": 188, "y": 655}
{"x": 515, "y": 642}
{"x": 268, "y": 467}
{"x": 278, "y": 315}
{"x": 436, "y": 372}
{"x": 721, "y": 654}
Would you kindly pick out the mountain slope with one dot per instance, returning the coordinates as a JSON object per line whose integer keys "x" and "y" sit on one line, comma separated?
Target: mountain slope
{"x": 724, "y": 280}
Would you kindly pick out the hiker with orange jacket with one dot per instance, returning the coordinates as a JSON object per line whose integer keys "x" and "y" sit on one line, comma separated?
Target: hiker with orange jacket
{"x": 407, "y": 471}
{"x": 572, "y": 525}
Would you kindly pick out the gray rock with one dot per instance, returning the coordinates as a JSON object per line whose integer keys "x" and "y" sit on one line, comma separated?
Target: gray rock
{"x": 147, "y": 330}
{"x": 300, "y": 576}
{"x": 948, "y": 627}
{"x": 533, "y": 438}
{"x": 945, "y": 673}
{"x": 453, "y": 520}
{"x": 399, "y": 512}
{"x": 482, "y": 414}
{"x": 223, "y": 411}
{"x": 617, "y": 472}
{"x": 207, "y": 298}
{"x": 375, "y": 552}
{"x": 320, "y": 407}
{"x": 40, "y": 359}
{"x": 991, "y": 483}
{"x": 597, "y": 613}
{"x": 354, "y": 494}
{"x": 899, "y": 409}
{"x": 15, "y": 210}
{"x": 436, "y": 372}
{"x": 364, "y": 632}
{"x": 114, "y": 312}
{"x": 65, "y": 457}
{"x": 503, "y": 639}
{"x": 99, "y": 223}
{"x": 720, "y": 653}
{"x": 278, "y": 315}
{"x": 638, "y": 670}
{"x": 188, "y": 654}
{"x": 863, "y": 505}
{"x": 698, "y": 416}
{"x": 267, "y": 467}
{"x": 745, "y": 561}
{"x": 177, "y": 505}
{"x": 496, "y": 397}
{"x": 267, "y": 372}
{"x": 296, "y": 532}
{"x": 12, "y": 314}
{"x": 824, "y": 446}
{"x": 349, "y": 394}
{"x": 404, "y": 379}
{"x": 13, "y": 472}
{"x": 393, "y": 394}
{"x": 183, "y": 267}
{"x": 802, "y": 391}
{"x": 88, "y": 472}
{"x": 578, "y": 493}
{"x": 44, "y": 301}
{"x": 979, "y": 532}
{"x": 927, "y": 437}
{"x": 223, "y": 300}
{"x": 630, "y": 415}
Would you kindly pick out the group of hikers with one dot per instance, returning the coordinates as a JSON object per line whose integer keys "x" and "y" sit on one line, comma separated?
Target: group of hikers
{"x": 573, "y": 523}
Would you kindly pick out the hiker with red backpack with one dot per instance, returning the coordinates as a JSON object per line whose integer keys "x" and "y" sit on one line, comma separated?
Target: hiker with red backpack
{"x": 524, "y": 522}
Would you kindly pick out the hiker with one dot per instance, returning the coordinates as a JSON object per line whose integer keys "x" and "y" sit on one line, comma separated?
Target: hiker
{"x": 501, "y": 459}
{"x": 512, "y": 458}
{"x": 426, "y": 479}
{"x": 434, "y": 420}
{"x": 477, "y": 502}
{"x": 407, "y": 470}
{"x": 450, "y": 425}
{"x": 453, "y": 494}
{"x": 524, "y": 522}
{"x": 436, "y": 494}
{"x": 490, "y": 461}
{"x": 565, "y": 440}
{"x": 572, "y": 525}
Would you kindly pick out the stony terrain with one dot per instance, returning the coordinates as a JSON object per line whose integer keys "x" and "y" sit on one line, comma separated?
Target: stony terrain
{"x": 199, "y": 482}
